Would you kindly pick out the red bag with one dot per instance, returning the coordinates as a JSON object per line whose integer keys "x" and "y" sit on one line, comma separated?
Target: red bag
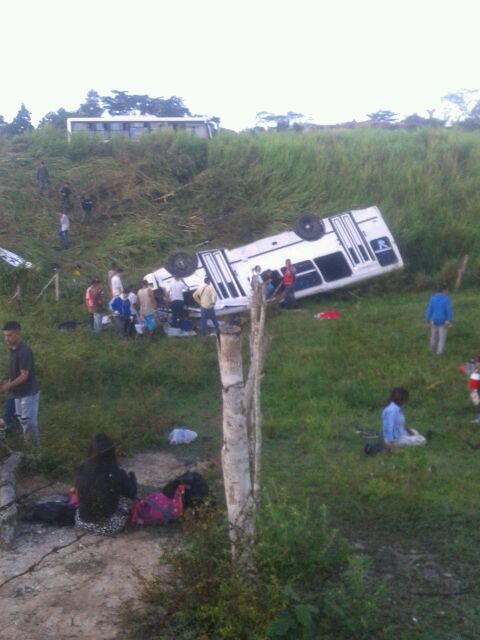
{"x": 156, "y": 508}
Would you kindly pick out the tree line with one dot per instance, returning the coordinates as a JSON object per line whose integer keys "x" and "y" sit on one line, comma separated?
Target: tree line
{"x": 462, "y": 107}
{"x": 117, "y": 104}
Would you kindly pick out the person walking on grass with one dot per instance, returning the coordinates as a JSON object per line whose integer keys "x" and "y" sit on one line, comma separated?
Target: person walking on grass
{"x": 43, "y": 178}
{"x": 22, "y": 383}
{"x": 439, "y": 317}
{"x": 64, "y": 229}
{"x": 86, "y": 203}
{"x": 206, "y": 297}
{"x": 395, "y": 433}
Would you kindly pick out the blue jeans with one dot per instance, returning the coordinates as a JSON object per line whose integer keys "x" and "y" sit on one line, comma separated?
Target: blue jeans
{"x": 178, "y": 311}
{"x": 64, "y": 238}
{"x": 26, "y": 409}
{"x": 207, "y": 314}
{"x": 97, "y": 322}
{"x": 9, "y": 413}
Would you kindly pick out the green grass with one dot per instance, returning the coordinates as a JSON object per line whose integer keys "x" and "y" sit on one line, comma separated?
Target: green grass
{"x": 322, "y": 379}
{"x": 413, "y": 515}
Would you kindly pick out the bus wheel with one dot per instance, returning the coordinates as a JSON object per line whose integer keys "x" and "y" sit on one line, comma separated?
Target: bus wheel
{"x": 181, "y": 264}
{"x": 309, "y": 227}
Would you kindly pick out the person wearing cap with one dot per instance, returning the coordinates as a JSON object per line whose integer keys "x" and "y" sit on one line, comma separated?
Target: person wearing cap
{"x": 206, "y": 297}
{"x": 439, "y": 317}
{"x": 22, "y": 383}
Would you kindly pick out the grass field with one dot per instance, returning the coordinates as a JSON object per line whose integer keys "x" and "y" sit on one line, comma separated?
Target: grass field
{"x": 351, "y": 546}
{"x": 414, "y": 514}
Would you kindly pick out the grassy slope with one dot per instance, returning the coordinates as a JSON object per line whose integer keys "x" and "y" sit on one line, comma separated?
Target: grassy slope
{"x": 322, "y": 378}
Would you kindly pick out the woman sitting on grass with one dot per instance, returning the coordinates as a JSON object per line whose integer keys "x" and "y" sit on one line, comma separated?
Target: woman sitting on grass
{"x": 102, "y": 490}
{"x": 395, "y": 433}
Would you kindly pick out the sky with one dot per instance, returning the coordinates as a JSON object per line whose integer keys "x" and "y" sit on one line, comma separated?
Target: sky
{"x": 333, "y": 61}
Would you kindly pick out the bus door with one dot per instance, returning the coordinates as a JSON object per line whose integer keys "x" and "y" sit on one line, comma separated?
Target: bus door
{"x": 351, "y": 238}
{"x": 220, "y": 272}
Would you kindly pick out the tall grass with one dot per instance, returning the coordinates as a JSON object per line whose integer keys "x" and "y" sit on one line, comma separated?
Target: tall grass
{"x": 236, "y": 187}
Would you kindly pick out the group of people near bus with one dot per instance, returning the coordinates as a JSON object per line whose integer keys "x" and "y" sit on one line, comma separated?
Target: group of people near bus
{"x": 141, "y": 310}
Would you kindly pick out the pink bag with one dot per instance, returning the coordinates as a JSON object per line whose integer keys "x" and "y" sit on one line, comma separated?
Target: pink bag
{"x": 156, "y": 508}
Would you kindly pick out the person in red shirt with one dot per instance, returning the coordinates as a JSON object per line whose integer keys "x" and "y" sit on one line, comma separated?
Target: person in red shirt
{"x": 289, "y": 278}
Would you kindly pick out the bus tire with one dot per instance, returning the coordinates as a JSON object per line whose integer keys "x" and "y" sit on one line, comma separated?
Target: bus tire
{"x": 308, "y": 226}
{"x": 181, "y": 264}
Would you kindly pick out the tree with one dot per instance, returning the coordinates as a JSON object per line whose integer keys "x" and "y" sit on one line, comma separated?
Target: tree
{"x": 460, "y": 103}
{"x": 123, "y": 103}
{"x": 415, "y": 120}
{"x": 57, "y": 119}
{"x": 281, "y": 122}
{"x": 21, "y": 123}
{"x": 242, "y": 426}
{"x": 383, "y": 115}
{"x": 92, "y": 107}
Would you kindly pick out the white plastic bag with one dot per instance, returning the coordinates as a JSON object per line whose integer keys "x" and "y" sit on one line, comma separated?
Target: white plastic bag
{"x": 182, "y": 436}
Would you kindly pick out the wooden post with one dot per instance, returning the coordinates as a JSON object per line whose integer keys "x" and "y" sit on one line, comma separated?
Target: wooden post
{"x": 8, "y": 506}
{"x": 235, "y": 450}
{"x": 242, "y": 420}
{"x": 57, "y": 286}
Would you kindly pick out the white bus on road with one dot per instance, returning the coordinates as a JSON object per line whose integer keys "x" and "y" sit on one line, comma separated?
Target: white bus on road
{"x": 135, "y": 126}
{"x": 338, "y": 251}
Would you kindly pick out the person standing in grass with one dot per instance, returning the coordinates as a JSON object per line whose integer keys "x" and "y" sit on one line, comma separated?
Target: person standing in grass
{"x": 439, "y": 317}
{"x": 116, "y": 284}
{"x": 177, "y": 304}
{"x": 64, "y": 229}
{"x": 22, "y": 383}
{"x": 122, "y": 314}
{"x": 289, "y": 279}
{"x": 148, "y": 304}
{"x": 395, "y": 433}
{"x": 43, "y": 178}
{"x": 86, "y": 203}
{"x": 97, "y": 298}
{"x": 206, "y": 297}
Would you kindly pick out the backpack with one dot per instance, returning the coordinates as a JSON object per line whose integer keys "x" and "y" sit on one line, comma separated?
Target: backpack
{"x": 60, "y": 514}
{"x": 196, "y": 489}
{"x": 157, "y": 508}
{"x": 371, "y": 449}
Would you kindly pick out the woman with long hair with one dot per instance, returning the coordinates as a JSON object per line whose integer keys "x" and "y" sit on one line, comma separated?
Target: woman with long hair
{"x": 102, "y": 489}
{"x": 395, "y": 433}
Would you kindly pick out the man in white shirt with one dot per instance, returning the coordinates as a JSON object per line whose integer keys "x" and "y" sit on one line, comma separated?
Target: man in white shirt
{"x": 177, "y": 303}
{"x": 64, "y": 229}
{"x": 116, "y": 283}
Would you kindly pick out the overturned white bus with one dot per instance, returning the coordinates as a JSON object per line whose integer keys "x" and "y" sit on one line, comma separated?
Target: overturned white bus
{"x": 329, "y": 253}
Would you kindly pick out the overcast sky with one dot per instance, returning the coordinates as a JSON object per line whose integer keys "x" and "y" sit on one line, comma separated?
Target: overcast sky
{"x": 333, "y": 61}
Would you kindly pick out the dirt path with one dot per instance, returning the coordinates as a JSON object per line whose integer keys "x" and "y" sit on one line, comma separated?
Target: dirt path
{"x": 79, "y": 583}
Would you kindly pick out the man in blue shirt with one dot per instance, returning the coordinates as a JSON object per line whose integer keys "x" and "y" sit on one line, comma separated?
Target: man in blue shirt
{"x": 439, "y": 317}
{"x": 122, "y": 314}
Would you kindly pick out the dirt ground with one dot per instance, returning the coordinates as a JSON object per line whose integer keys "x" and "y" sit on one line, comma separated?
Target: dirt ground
{"x": 57, "y": 585}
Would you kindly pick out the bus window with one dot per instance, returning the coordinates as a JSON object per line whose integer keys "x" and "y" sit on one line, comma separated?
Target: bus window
{"x": 334, "y": 266}
{"x": 384, "y": 252}
{"x": 307, "y": 280}
{"x": 80, "y": 126}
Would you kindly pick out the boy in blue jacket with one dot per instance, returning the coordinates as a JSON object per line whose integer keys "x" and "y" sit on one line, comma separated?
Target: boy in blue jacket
{"x": 439, "y": 317}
